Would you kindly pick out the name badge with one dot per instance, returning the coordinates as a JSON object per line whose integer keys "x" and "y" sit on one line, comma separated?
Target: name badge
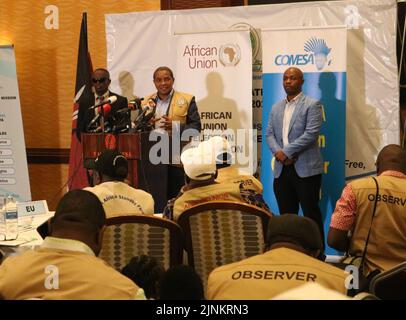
{"x": 30, "y": 208}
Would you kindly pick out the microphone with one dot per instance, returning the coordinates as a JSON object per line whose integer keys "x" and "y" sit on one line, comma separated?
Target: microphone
{"x": 142, "y": 121}
{"x": 149, "y": 110}
{"x": 149, "y": 115}
{"x": 152, "y": 102}
{"x": 106, "y": 111}
{"x": 135, "y": 103}
{"x": 121, "y": 120}
{"x": 111, "y": 99}
{"x": 123, "y": 110}
{"x": 142, "y": 114}
{"x": 150, "y": 107}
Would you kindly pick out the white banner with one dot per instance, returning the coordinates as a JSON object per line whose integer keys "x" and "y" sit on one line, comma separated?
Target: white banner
{"x": 372, "y": 91}
{"x": 220, "y": 65}
{"x": 13, "y": 159}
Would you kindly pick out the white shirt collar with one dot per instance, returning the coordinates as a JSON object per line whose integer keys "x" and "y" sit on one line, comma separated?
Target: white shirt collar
{"x": 167, "y": 98}
{"x": 295, "y": 98}
{"x": 104, "y": 95}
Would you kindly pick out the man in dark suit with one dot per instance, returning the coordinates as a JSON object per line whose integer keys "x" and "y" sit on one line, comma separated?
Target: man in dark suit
{"x": 292, "y": 135}
{"x": 115, "y": 114}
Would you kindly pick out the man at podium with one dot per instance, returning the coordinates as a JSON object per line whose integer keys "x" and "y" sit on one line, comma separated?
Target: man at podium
{"x": 113, "y": 108}
{"x": 174, "y": 112}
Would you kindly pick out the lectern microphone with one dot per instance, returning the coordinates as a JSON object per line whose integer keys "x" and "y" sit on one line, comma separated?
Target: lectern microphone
{"x": 110, "y": 100}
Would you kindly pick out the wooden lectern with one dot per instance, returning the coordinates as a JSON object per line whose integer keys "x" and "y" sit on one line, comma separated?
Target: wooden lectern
{"x": 135, "y": 147}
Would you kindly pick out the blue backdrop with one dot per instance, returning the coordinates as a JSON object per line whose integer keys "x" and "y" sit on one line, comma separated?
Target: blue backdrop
{"x": 330, "y": 89}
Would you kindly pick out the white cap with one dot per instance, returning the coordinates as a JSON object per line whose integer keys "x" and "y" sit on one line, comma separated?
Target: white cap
{"x": 198, "y": 164}
{"x": 218, "y": 146}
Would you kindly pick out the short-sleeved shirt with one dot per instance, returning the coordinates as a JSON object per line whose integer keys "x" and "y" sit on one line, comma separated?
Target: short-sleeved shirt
{"x": 63, "y": 269}
{"x": 120, "y": 199}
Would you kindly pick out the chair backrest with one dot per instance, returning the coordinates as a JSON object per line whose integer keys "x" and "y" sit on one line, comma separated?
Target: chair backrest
{"x": 390, "y": 284}
{"x": 219, "y": 233}
{"x": 365, "y": 296}
{"x": 129, "y": 236}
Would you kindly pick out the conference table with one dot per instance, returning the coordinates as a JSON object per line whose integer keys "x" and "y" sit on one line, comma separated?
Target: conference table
{"x": 28, "y": 236}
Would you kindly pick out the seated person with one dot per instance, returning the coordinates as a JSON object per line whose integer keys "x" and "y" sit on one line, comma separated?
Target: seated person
{"x": 226, "y": 172}
{"x": 353, "y": 213}
{"x": 201, "y": 186}
{"x": 66, "y": 264}
{"x": 118, "y": 198}
{"x": 294, "y": 247}
{"x": 181, "y": 283}
{"x": 146, "y": 272}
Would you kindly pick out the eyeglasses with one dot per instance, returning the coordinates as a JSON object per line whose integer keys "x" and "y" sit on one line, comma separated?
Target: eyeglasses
{"x": 100, "y": 80}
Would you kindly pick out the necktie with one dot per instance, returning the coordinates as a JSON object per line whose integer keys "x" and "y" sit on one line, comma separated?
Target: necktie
{"x": 98, "y": 100}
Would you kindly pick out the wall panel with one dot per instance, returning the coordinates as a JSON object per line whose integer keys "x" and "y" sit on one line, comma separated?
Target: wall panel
{"x": 46, "y": 68}
{"x": 46, "y": 58}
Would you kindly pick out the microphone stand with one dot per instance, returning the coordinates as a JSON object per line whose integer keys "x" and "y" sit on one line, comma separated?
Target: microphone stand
{"x": 102, "y": 118}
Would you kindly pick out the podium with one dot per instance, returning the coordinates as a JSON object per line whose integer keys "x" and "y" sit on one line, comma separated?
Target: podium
{"x": 142, "y": 174}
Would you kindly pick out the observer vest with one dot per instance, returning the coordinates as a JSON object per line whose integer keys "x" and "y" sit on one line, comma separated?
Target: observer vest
{"x": 387, "y": 243}
{"x": 178, "y": 107}
{"x": 212, "y": 192}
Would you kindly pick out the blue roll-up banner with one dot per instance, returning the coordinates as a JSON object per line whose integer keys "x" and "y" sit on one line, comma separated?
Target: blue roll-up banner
{"x": 321, "y": 54}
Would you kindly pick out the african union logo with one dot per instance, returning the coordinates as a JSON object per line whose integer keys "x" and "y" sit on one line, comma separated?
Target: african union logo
{"x": 255, "y": 44}
{"x": 320, "y": 51}
{"x": 230, "y": 55}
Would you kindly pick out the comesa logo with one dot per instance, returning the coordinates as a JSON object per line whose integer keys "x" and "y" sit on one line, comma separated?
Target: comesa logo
{"x": 320, "y": 50}
{"x": 317, "y": 54}
{"x": 230, "y": 55}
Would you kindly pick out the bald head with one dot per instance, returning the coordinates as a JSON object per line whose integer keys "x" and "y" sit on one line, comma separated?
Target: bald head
{"x": 292, "y": 82}
{"x": 300, "y": 231}
{"x": 391, "y": 157}
{"x": 295, "y": 70}
{"x": 79, "y": 216}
